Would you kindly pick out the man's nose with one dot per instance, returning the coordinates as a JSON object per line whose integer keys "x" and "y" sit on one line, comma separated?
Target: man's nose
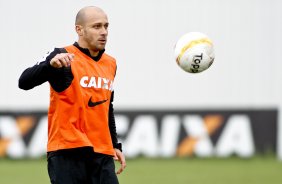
{"x": 104, "y": 31}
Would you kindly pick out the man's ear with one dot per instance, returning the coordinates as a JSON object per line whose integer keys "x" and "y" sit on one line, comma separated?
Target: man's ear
{"x": 79, "y": 30}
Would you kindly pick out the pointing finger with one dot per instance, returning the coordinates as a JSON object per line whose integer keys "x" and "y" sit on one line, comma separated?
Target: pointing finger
{"x": 63, "y": 61}
{"x": 70, "y": 56}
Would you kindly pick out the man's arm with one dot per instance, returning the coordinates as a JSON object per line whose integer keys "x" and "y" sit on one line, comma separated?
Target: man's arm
{"x": 118, "y": 147}
{"x": 112, "y": 125}
{"x": 54, "y": 68}
{"x": 39, "y": 73}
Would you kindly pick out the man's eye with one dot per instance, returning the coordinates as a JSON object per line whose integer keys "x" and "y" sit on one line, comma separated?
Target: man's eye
{"x": 96, "y": 26}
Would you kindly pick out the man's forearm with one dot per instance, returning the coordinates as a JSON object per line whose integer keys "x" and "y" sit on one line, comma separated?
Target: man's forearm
{"x": 34, "y": 76}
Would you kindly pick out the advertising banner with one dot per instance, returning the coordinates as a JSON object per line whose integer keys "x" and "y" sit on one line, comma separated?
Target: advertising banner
{"x": 158, "y": 133}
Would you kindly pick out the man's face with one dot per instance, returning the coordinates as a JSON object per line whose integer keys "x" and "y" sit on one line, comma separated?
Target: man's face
{"x": 95, "y": 31}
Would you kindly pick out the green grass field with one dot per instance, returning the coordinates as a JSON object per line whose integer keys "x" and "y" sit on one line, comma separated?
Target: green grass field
{"x": 257, "y": 170}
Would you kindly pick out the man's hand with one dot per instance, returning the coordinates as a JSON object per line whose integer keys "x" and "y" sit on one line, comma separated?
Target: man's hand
{"x": 62, "y": 60}
{"x": 120, "y": 157}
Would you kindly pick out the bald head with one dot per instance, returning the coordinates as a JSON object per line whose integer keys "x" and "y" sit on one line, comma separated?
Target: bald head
{"x": 91, "y": 25}
{"x": 83, "y": 13}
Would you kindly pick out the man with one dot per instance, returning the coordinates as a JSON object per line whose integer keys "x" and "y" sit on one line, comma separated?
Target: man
{"x": 82, "y": 138}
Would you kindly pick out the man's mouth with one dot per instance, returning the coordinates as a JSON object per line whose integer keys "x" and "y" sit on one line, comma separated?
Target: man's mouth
{"x": 102, "y": 40}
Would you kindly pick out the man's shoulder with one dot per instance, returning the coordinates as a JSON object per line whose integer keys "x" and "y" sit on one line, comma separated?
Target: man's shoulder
{"x": 56, "y": 50}
{"x": 109, "y": 57}
{"x": 50, "y": 54}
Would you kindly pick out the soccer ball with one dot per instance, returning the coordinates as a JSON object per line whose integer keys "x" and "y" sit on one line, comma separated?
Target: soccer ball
{"x": 194, "y": 52}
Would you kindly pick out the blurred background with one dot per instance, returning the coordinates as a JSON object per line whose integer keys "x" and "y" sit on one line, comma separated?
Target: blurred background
{"x": 222, "y": 125}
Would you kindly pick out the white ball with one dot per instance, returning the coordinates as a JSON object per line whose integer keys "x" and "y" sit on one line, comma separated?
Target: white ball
{"x": 194, "y": 52}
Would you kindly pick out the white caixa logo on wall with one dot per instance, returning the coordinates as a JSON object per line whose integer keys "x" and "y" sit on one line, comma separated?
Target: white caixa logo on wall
{"x": 179, "y": 133}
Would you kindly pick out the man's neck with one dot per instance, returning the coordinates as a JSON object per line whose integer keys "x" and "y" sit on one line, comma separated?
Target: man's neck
{"x": 85, "y": 46}
{"x": 87, "y": 52}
